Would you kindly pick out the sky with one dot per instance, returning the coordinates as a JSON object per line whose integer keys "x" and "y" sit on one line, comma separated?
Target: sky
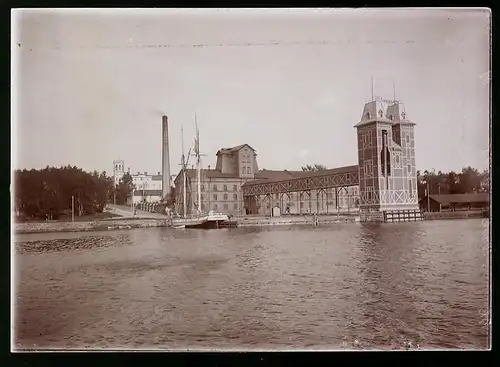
{"x": 90, "y": 86}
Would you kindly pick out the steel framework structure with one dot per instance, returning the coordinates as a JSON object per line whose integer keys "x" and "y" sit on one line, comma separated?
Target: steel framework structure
{"x": 347, "y": 177}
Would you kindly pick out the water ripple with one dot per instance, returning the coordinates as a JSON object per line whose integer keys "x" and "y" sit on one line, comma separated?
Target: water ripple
{"x": 348, "y": 286}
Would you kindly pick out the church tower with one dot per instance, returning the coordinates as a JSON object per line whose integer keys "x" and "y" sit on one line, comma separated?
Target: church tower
{"x": 386, "y": 158}
{"x": 118, "y": 170}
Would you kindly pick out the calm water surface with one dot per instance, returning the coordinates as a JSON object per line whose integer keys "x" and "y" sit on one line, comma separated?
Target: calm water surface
{"x": 339, "y": 286}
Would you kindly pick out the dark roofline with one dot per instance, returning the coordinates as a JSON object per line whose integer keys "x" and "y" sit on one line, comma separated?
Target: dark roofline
{"x": 459, "y": 198}
{"x": 236, "y": 148}
{"x": 207, "y": 173}
{"x": 295, "y": 175}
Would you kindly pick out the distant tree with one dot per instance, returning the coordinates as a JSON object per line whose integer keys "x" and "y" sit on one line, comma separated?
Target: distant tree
{"x": 313, "y": 168}
{"x": 485, "y": 181}
{"x": 469, "y": 181}
{"x": 124, "y": 189}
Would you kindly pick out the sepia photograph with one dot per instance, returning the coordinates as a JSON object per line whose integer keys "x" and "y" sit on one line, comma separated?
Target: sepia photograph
{"x": 250, "y": 179}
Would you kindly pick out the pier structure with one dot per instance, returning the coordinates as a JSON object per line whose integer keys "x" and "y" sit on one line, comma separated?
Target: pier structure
{"x": 385, "y": 175}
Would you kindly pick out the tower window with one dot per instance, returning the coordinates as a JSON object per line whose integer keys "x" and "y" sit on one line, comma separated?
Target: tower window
{"x": 397, "y": 160}
{"x": 367, "y": 139}
{"x": 409, "y": 169}
{"x": 368, "y": 115}
{"x": 368, "y": 168}
{"x": 407, "y": 138}
{"x": 369, "y": 192}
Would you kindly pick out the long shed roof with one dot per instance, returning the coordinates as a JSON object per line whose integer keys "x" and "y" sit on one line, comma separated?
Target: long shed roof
{"x": 460, "y": 198}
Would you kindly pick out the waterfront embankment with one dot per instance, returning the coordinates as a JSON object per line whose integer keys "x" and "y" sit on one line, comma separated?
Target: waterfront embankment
{"x": 454, "y": 215}
{"x": 294, "y": 220}
{"x": 243, "y": 221}
{"x": 102, "y": 225}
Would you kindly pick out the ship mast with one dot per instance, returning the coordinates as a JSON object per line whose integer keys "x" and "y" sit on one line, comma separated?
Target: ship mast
{"x": 198, "y": 163}
{"x": 184, "y": 178}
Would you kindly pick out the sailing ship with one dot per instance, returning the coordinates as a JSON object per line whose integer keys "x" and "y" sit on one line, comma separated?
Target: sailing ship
{"x": 197, "y": 219}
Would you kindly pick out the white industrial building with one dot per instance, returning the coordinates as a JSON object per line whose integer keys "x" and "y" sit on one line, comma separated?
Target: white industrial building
{"x": 148, "y": 187}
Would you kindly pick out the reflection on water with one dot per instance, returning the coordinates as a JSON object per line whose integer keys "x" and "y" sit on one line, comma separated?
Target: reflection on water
{"x": 339, "y": 286}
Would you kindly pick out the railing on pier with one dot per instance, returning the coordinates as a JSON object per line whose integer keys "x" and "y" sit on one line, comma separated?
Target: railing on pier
{"x": 391, "y": 216}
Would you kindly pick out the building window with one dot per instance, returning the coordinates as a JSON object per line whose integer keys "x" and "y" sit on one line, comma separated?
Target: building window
{"x": 235, "y": 187}
{"x": 302, "y": 204}
{"x": 397, "y": 159}
{"x": 243, "y": 170}
{"x": 409, "y": 169}
{"x": 235, "y": 206}
{"x": 202, "y": 187}
{"x": 368, "y": 115}
{"x": 225, "y": 206}
{"x": 202, "y": 206}
{"x": 202, "y": 197}
{"x": 367, "y": 139}
{"x": 369, "y": 192}
{"x": 214, "y": 187}
{"x": 368, "y": 168}
{"x": 225, "y": 188}
{"x": 215, "y": 206}
{"x": 215, "y": 196}
{"x": 225, "y": 196}
{"x": 407, "y": 138}
{"x": 235, "y": 196}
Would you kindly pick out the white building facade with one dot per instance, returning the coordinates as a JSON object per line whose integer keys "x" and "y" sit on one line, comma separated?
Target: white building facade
{"x": 148, "y": 187}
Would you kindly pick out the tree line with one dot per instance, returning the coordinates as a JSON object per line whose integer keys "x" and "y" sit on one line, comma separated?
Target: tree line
{"x": 469, "y": 181}
{"x": 49, "y": 192}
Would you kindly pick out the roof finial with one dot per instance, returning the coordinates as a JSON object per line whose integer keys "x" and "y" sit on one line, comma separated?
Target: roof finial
{"x": 372, "y": 86}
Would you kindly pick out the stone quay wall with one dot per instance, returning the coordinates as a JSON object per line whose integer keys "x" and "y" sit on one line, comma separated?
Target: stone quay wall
{"x": 45, "y": 227}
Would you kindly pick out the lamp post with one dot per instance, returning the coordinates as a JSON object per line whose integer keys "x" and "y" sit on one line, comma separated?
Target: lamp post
{"x": 428, "y": 194}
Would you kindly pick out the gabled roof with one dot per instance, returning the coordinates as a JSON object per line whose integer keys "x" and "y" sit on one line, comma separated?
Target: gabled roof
{"x": 207, "y": 173}
{"x": 386, "y": 111}
{"x": 234, "y": 149}
{"x": 460, "y": 198}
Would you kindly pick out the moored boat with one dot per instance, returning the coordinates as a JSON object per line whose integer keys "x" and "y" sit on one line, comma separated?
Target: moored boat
{"x": 212, "y": 220}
